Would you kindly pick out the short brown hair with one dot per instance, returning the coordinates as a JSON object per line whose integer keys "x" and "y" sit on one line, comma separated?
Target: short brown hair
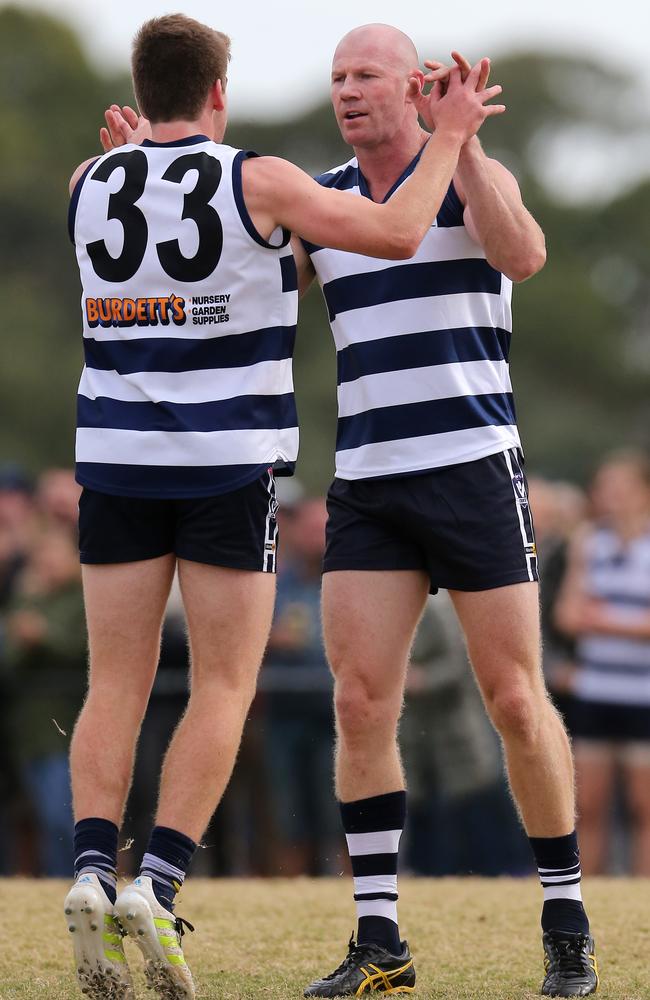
{"x": 175, "y": 62}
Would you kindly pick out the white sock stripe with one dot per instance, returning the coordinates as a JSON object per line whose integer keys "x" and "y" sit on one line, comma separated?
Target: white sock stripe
{"x": 377, "y": 908}
{"x": 564, "y": 892}
{"x": 364, "y": 884}
{"x": 110, "y": 878}
{"x": 559, "y": 871}
{"x": 377, "y": 842}
{"x": 559, "y": 879}
{"x": 153, "y": 865}
{"x": 94, "y": 854}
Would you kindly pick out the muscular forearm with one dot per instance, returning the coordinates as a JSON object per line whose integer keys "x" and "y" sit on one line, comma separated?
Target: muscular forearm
{"x": 512, "y": 240}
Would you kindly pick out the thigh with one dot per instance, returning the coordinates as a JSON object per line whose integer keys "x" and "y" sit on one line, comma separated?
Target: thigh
{"x": 502, "y": 630}
{"x": 369, "y": 619}
{"x": 229, "y": 614}
{"x": 125, "y": 604}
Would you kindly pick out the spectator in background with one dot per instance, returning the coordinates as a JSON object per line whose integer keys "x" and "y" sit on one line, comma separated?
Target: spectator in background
{"x": 299, "y": 702}
{"x": 57, "y": 497}
{"x": 605, "y": 605}
{"x": 559, "y": 509}
{"x": 16, "y": 522}
{"x": 46, "y": 663}
{"x": 461, "y": 818}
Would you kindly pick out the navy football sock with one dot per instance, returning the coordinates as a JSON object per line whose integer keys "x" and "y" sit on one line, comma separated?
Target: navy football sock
{"x": 166, "y": 862}
{"x": 558, "y": 864}
{"x": 95, "y": 850}
{"x": 373, "y": 828}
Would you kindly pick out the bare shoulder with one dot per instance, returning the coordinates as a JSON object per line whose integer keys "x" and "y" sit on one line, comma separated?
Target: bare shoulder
{"x": 80, "y": 171}
{"x": 267, "y": 172}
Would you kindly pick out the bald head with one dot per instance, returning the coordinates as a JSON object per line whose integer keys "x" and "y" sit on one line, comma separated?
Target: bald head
{"x": 382, "y": 43}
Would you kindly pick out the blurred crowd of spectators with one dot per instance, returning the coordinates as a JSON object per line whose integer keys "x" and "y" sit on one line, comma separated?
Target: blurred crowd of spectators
{"x": 279, "y": 815}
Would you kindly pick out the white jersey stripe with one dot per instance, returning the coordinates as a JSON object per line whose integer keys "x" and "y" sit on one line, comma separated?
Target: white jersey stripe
{"x": 265, "y": 378}
{"x": 404, "y": 454}
{"x": 415, "y": 385}
{"x": 437, "y": 312}
{"x": 438, "y": 244}
{"x": 189, "y": 448}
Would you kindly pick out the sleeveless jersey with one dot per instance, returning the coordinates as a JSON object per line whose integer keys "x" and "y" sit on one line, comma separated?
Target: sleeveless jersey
{"x": 612, "y": 668}
{"x": 189, "y": 322}
{"x": 422, "y": 348}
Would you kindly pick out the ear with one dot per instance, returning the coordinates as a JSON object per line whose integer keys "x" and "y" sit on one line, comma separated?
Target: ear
{"x": 217, "y": 96}
{"x": 415, "y": 85}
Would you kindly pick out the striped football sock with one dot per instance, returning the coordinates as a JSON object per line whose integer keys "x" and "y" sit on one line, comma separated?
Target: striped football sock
{"x": 95, "y": 850}
{"x": 558, "y": 864}
{"x": 166, "y": 862}
{"x": 373, "y": 828}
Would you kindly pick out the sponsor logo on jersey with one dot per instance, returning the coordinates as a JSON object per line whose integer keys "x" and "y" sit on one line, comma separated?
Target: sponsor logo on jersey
{"x": 150, "y": 311}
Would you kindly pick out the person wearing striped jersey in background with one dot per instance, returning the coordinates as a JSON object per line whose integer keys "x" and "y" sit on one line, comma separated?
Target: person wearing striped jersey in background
{"x": 185, "y": 404}
{"x": 604, "y": 604}
{"x": 430, "y": 493}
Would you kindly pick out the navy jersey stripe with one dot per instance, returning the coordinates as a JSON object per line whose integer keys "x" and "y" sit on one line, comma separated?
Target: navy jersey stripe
{"x": 239, "y": 413}
{"x": 167, "y": 480}
{"x": 410, "y": 281}
{"x": 436, "y": 416}
{"x": 419, "y": 350}
{"x": 289, "y": 273}
{"x": 451, "y": 210}
{"x": 343, "y": 180}
{"x": 172, "y": 354}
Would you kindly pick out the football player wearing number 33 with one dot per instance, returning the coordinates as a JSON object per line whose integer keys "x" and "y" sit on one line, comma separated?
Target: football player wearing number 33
{"x": 185, "y": 407}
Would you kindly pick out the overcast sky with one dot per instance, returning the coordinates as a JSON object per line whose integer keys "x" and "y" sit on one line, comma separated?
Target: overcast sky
{"x": 282, "y": 48}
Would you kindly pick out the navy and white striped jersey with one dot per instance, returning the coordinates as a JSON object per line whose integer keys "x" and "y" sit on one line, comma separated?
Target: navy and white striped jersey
{"x": 422, "y": 348}
{"x": 612, "y": 668}
{"x": 189, "y": 322}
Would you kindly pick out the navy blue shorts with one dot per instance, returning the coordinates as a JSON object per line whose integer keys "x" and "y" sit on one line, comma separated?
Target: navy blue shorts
{"x": 607, "y": 722}
{"x": 468, "y": 526}
{"x": 238, "y": 530}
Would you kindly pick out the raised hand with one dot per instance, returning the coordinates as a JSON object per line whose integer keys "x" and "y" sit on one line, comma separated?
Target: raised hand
{"x": 123, "y": 125}
{"x": 462, "y": 108}
{"x": 438, "y": 75}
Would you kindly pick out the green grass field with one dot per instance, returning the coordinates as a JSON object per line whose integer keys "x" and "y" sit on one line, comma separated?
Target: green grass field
{"x": 471, "y": 938}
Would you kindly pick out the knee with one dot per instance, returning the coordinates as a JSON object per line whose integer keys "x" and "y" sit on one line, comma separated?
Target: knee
{"x": 362, "y": 711}
{"x": 518, "y": 712}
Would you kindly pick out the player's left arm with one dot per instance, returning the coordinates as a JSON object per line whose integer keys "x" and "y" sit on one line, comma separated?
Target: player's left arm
{"x": 495, "y": 215}
{"x": 79, "y": 172}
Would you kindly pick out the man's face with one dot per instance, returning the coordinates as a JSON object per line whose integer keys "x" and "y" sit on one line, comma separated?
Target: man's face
{"x": 369, "y": 93}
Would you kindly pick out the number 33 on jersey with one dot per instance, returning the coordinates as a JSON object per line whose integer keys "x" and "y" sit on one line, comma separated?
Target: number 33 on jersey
{"x": 189, "y": 321}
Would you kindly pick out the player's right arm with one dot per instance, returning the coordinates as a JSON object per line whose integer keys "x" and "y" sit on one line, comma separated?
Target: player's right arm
{"x": 278, "y": 193}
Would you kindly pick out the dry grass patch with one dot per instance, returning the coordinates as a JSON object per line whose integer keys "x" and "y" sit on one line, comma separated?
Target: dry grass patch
{"x": 472, "y": 938}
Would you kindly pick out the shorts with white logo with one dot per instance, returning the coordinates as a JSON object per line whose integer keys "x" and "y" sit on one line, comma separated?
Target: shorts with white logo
{"x": 468, "y": 526}
{"x": 238, "y": 530}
